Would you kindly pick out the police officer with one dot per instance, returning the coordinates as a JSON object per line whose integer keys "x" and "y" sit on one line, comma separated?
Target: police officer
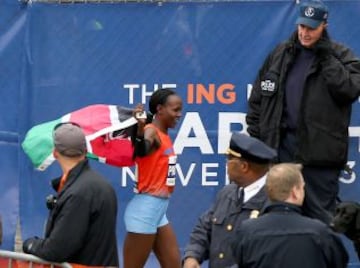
{"x": 301, "y": 105}
{"x": 248, "y": 161}
{"x": 281, "y": 237}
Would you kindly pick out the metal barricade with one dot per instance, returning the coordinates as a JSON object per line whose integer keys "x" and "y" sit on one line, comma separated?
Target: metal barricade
{"x": 10, "y": 259}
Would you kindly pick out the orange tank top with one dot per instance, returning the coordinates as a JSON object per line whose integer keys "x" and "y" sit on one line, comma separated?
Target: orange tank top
{"x": 155, "y": 173}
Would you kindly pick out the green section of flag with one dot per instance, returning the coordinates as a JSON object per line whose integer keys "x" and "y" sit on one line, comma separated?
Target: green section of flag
{"x": 38, "y": 143}
{"x": 92, "y": 156}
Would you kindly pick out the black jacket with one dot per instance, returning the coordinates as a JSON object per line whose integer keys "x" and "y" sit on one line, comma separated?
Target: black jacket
{"x": 331, "y": 85}
{"x": 211, "y": 237}
{"x": 283, "y": 238}
{"x": 81, "y": 227}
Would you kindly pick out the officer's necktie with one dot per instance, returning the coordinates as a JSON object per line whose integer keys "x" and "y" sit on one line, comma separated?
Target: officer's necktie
{"x": 241, "y": 194}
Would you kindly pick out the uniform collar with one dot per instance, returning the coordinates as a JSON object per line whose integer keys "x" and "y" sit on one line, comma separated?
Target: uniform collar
{"x": 252, "y": 189}
{"x": 282, "y": 207}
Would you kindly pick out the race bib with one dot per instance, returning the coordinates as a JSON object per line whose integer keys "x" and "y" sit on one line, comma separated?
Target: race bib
{"x": 170, "y": 180}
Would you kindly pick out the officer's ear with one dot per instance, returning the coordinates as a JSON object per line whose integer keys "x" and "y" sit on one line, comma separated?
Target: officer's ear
{"x": 296, "y": 193}
{"x": 245, "y": 165}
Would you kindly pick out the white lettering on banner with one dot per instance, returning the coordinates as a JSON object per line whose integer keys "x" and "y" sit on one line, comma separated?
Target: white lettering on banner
{"x": 185, "y": 180}
{"x": 205, "y": 174}
{"x": 127, "y": 174}
{"x": 193, "y": 134}
{"x": 351, "y": 177}
{"x": 226, "y": 119}
{"x": 192, "y": 123}
{"x": 196, "y": 93}
{"x": 144, "y": 91}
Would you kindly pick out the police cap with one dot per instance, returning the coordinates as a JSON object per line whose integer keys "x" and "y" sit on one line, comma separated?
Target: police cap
{"x": 250, "y": 148}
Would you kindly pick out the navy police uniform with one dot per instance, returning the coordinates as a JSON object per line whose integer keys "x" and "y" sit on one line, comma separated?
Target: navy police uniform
{"x": 282, "y": 238}
{"x": 303, "y": 108}
{"x": 211, "y": 238}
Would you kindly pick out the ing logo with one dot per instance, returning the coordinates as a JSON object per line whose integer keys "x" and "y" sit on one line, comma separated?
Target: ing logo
{"x": 199, "y": 93}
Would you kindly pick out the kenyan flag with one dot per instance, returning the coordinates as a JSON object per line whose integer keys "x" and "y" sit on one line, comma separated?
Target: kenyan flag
{"x": 107, "y": 129}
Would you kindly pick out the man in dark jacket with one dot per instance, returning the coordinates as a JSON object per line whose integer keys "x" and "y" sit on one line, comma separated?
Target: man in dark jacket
{"x": 81, "y": 227}
{"x": 248, "y": 161}
{"x": 301, "y": 102}
{"x": 282, "y": 237}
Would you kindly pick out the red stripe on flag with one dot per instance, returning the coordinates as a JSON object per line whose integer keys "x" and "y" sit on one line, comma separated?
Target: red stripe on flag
{"x": 117, "y": 152}
{"x": 92, "y": 118}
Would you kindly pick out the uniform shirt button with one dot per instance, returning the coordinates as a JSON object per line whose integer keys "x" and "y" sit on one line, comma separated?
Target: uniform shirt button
{"x": 229, "y": 227}
{"x": 221, "y": 255}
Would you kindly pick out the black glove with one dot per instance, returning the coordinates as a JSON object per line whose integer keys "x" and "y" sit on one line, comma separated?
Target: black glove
{"x": 28, "y": 244}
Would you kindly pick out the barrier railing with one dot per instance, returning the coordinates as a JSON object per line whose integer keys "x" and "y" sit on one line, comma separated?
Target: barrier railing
{"x": 10, "y": 259}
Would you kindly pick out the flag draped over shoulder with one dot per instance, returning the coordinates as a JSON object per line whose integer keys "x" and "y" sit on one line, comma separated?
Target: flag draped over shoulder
{"x": 107, "y": 129}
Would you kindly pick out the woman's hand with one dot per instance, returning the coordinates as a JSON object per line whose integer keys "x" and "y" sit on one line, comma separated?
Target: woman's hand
{"x": 139, "y": 113}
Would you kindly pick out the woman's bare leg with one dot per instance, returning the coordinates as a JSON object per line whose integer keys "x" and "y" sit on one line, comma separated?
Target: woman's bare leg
{"x": 166, "y": 248}
{"x": 137, "y": 248}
